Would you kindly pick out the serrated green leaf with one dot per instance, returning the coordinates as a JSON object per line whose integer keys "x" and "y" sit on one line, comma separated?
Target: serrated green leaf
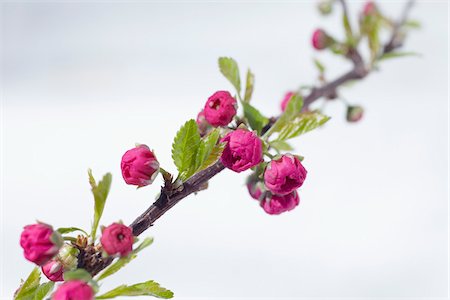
{"x": 29, "y": 286}
{"x": 302, "y": 124}
{"x": 293, "y": 108}
{"x": 229, "y": 68}
{"x": 77, "y": 274}
{"x": 100, "y": 192}
{"x": 390, "y": 55}
{"x": 185, "y": 147}
{"x": 148, "y": 288}
{"x": 213, "y": 156}
{"x": 255, "y": 119}
{"x": 64, "y": 230}
{"x": 249, "y": 86}
{"x": 123, "y": 261}
{"x": 281, "y": 146}
{"x": 206, "y": 146}
{"x": 43, "y": 290}
{"x": 319, "y": 66}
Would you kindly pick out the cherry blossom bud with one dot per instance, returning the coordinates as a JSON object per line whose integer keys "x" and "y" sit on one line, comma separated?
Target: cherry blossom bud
{"x": 75, "y": 289}
{"x": 242, "y": 151}
{"x": 284, "y": 175}
{"x": 220, "y": 109}
{"x": 202, "y": 124}
{"x": 286, "y": 99}
{"x": 321, "y": 40}
{"x": 256, "y": 188}
{"x": 370, "y": 9}
{"x": 325, "y": 7}
{"x": 40, "y": 243}
{"x": 277, "y": 204}
{"x": 139, "y": 166}
{"x": 53, "y": 270}
{"x": 354, "y": 113}
{"x": 117, "y": 239}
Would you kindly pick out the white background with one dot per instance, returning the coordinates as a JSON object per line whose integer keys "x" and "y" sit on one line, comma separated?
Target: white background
{"x": 82, "y": 82}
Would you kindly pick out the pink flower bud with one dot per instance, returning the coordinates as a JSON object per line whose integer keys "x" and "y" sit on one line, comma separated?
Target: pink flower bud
{"x": 75, "y": 289}
{"x": 369, "y": 9}
{"x": 284, "y": 175}
{"x": 277, "y": 204}
{"x": 40, "y": 243}
{"x": 320, "y": 40}
{"x": 202, "y": 124}
{"x": 139, "y": 166}
{"x": 242, "y": 151}
{"x": 53, "y": 270}
{"x": 354, "y": 113}
{"x": 256, "y": 189}
{"x": 286, "y": 100}
{"x": 220, "y": 108}
{"x": 117, "y": 239}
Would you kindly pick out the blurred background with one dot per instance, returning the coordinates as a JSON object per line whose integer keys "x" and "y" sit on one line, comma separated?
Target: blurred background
{"x": 83, "y": 82}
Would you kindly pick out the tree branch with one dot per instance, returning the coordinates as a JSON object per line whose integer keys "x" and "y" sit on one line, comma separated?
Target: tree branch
{"x": 170, "y": 195}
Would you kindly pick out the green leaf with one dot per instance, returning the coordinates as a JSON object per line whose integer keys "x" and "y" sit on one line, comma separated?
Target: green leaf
{"x": 43, "y": 290}
{"x": 29, "y": 287}
{"x": 148, "y": 288}
{"x": 281, "y": 146}
{"x": 390, "y": 55}
{"x": 64, "y": 230}
{"x": 77, "y": 274}
{"x": 319, "y": 66}
{"x": 255, "y": 119}
{"x": 121, "y": 262}
{"x": 413, "y": 24}
{"x": 213, "y": 156}
{"x": 185, "y": 147}
{"x": 100, "y": 192}
{"x": 293, "y": 108}
{"x": 249, "y": 86}
{"x": 348, "y": 30}
{"x": 206, "y": 146}
{"x": 230, "y": 70}
{"x": 303, "y": 123}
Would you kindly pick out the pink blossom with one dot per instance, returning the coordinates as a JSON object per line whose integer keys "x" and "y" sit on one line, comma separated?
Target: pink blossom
{"x": 320, "y": 39}
{"x": 284, "y": 175}
{"x": 242, "y": 151}
{"x": 117, "y": 239}
{"x": 139, "y": 166}
{"x": 369, "y": 8}
{"x": 286, "y": 100}
{"x": 220, "y": 109}
{"x": 53, "y": 270}
{"x": 74, "y": 290}
{"x": 40, "y": 243}
{"x": 277, "y": 204}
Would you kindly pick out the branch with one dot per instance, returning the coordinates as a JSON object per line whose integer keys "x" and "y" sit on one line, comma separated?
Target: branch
{"x": 170, "y": 195}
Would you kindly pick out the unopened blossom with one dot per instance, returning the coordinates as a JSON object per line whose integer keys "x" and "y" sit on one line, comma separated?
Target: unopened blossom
{"x": 277, "y": 204}
{"x": 202, "y": 124}
{"x": 286, "y": 99}
{"x": 220, "y": 109}
{"x": 256, "y": 188}
{"x": 40, "y": 243}
{"x": 74, "y": 290}
{"x": 53, "y": 270}
{"x": 243, "y": 150}
{"x": 321, "y": 40}
{"x": 284, "y": 175}
{"x": 369, "y": 9}
{"x": 354, "y": 113}
{"x": 117, "y": 239}
{"x": 139, "y": 166}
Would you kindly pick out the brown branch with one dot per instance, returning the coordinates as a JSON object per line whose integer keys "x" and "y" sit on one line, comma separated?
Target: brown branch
{"x": 170, "y": 195}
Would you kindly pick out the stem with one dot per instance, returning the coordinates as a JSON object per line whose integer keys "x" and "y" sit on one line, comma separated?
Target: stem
{"x": 170, "y": 195}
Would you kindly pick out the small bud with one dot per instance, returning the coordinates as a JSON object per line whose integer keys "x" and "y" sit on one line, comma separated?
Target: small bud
{"x": 370, "y": 9}
{"x": 354, "y": 113}
{"x": 53, "y": 270}
{"x": 75, "y": 289}
{"x": 321, "y": 40}
{"x": 40, "y": 243}
{"x": 202, "y": 124}
{"x": 325, "y": 7}
{"x": 242, "y": 151}
{"x": 284, "y": 175}
{"x": 220, "y": 109}
{"x": 256, "y": 188}
{"x": 286, "y": 99}
{"x": 277, "y": 204}
{"x": 117, "y": 239}
{"x": 139, "y": 166}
